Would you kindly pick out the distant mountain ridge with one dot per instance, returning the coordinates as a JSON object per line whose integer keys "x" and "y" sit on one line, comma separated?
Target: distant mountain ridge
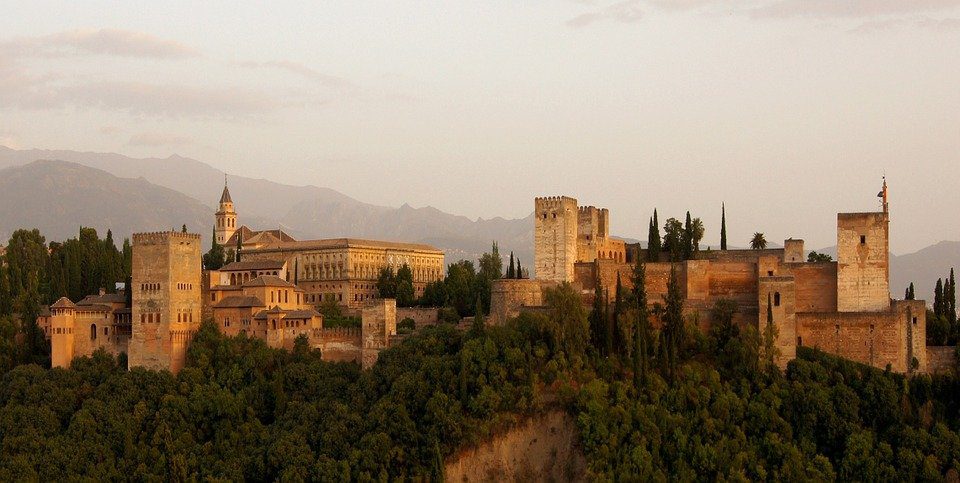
{"x": 128, "y": 194}
{"x": 303, "y": 211}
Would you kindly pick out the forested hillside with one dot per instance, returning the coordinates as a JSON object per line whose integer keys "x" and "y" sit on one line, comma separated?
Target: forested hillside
{"x": 667, "y": 404}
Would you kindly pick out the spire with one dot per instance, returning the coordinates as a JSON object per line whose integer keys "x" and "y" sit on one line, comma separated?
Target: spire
{"x": 883, "y": 194}
{"x": 225, "y": 197}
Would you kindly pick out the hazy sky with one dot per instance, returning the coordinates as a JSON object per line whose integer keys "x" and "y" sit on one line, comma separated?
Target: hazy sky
{"x": 787, "y": 110}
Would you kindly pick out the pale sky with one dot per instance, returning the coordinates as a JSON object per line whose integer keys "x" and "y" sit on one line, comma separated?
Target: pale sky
{"x": 787, "y": 110}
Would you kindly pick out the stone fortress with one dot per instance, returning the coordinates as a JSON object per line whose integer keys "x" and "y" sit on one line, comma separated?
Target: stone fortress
{"x": 842, "y": 307}
{"x": 272, "y": 294}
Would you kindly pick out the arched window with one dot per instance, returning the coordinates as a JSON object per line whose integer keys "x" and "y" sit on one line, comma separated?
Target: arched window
{"x": 93, "y": 332}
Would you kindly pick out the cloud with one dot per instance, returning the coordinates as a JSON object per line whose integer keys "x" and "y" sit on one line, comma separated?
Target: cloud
{"x": 301, "y": 70}
{"x": 627, "y": 11}
{"x": 121, "y": 43}
{"x": 925, "y": 23}
{"x": 23, "y": 90}
{"x": 155, "y": 139}
{"x": 849, "y": 8}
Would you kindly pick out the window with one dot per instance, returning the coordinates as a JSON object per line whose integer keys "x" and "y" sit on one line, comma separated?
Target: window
{"x": 93, "y": 332}
{"x": 776, "y": 299}
{"x": 863, "y": 239}
{"x": 769, "y": 273}
{"x": 799, "y": 341}
{"x": 914, "y": 321}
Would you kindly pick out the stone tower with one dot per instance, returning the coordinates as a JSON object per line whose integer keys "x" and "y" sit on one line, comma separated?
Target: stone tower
{"x": 226, "y": 217}
{"x": 166, "y": 298}
{"x": 555, "y": 237}
{"x": 62, "y": 321}
{"x": 863, "y": 260}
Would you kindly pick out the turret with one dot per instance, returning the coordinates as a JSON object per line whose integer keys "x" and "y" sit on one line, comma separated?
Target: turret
{"x": 226, "y": 218}
{"x": 62, "y": 321}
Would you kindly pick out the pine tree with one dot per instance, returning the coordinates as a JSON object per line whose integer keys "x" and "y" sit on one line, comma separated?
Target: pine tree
{"x": 723, "y": 226}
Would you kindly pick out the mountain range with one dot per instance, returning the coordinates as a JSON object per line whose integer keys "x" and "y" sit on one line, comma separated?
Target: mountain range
{"x": 59, "y": 191}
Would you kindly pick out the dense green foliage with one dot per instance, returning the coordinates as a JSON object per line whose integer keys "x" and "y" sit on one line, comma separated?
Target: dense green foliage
{"x": 465, "y": 283}
{"x": 942, "y": 326}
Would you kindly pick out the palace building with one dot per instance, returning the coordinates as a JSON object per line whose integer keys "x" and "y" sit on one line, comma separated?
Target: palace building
{"x": 341, "y": 269}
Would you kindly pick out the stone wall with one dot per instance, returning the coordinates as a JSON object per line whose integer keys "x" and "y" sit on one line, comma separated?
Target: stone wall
{"x": 422, "y": 316}
{"x": 863, "y": 262}
{"x": 509, "y": 296}
{"x": 816, "y": 286}
{"x": 873, "y": 338}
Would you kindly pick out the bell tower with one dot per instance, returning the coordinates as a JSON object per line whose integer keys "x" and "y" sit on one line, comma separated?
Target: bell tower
{"x": 226, "y": 223}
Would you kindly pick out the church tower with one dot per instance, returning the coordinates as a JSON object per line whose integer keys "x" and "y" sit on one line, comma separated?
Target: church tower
{"x": 226, "y": 217}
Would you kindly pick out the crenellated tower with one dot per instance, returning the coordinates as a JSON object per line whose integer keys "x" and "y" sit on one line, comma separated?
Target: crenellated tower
{"x": 226, "y": 223}
{"x": 555, "y": 237}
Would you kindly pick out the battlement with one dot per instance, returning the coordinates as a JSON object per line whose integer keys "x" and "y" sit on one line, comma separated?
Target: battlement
{"x": 163, "y": 237}
{"x": 549, "y": 202}
{"x": 341, "y": 331}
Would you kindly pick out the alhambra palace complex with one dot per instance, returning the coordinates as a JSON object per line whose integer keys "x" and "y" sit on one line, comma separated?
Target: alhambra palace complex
{"x": 841, "y": 307}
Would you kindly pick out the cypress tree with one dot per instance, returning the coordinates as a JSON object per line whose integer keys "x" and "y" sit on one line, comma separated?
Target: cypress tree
{"x": 519, "y": 269}
{"x": 952, "y": 299}
{"x": 596, "y": 318}
{"x": 687, "y": 242}
{"x": 183, "y": 229}
{"x": 478, "y": 324}
{"x": 511, "y": 272}
{"x": 641, "y": 330}
{"x": 239, "y": 244}
{"x": 654, "y": 245}
{"x": 769, "y": 335}
{"x": 938, "y": 298}
{"x": 618, "y": 343}
{"x": 723, "y": 226}
{"x": 673, "y": 322}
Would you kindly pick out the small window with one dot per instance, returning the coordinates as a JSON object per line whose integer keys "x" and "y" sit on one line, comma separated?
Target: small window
{"x": 93, "y": 332}
{"x": 914, "y": 321}
{"x": 838, "y": 328}
{"x": 863, "y": 239}
{"x": 799, "y": 341}
{"x": 769, "y": 273}
{"x": 776, "y": 299}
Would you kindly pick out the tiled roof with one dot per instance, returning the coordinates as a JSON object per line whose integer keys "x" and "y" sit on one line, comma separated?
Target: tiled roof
{"x": 253, "y": 265}
{"x": 63, "y": 303}
{"x": 269, "y": 281}
{"x": 236, "y": 301}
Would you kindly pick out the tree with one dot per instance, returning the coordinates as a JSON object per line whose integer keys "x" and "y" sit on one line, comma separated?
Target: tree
{"x": 653, "y": 239}
{"x": 491, "y": 268}
{"x": 938, "y": 298}
{"x": 673, "y": 329}
{"x": 723, "y": 226}
{"x": 641, "y": 330}
{"x": 687, "y": 238}
{"x": 569, "y": 329}
{"x": 814, "y": 257}
{"x": 239, "y": 245}
{"x": 214, "y": 259}
{"x": 27, "y": 265}
{"x": 673, "y": 239}
{"x": 696, "y": 235}
{"x": 403, "y": 287}
{"x": 435, "y": 294}
{"x": 617, "y": 343}
{"x": 598, "y": 322}
{"x": 770, "y": 351}
{"x": 951, "y": 297}
{"x": 519, "y": 269}
{"x": 477, "y": 328}
{"x": 909, "y": 295}
{"x": 5, "y": 300}
{"x": 461, "y": 286}
{"x": 386, "y": 283}
{"x": 183, "y": 229}
{"x": 512, "y": 271}
{"x": 758, "y": 242}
